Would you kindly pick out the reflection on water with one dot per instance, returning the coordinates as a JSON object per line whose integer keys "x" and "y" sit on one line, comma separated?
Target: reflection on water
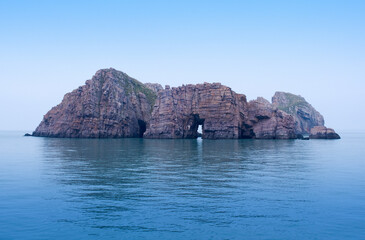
{"x": 195, "y": 189}
{"x": 137, "y": 183}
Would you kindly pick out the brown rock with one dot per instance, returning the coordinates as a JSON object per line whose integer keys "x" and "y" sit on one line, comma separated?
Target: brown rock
{"x": 221, "y": 112}
{"x": 268, "y": 122}
{"x": 304, "y": 114}
{"x": 111, "y": 104}
{"x": 321, "y": 132}
{"x": 179, "y": 111}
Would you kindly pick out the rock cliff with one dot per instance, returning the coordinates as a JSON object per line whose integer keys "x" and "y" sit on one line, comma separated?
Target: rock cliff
{"x": 179, "y": 111}
{"x": 222, "y": 113}
{"x": 111, "y": 104}
{"x": 305, "y": 116}
{"x": 268, "y": 122}
{"x": 114, "y": 105}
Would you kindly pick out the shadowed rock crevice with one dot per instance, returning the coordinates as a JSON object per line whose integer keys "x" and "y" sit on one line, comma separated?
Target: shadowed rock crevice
{"x": 193, "y": 123}
{"x": 142, "y": 127}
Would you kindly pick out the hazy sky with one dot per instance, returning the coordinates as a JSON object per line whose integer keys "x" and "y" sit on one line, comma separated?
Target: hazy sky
{"x": 312, "y": 48}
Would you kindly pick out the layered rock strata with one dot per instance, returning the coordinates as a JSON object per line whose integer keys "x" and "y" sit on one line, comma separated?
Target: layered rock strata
{"x": 111, "y": 104}
{"x": 222, "y": 113}
{"x": 179, "y": 111}
{"x": 306, "y": 117}
{"x": 268, "y": 122}
{"x": 114, "y": 105}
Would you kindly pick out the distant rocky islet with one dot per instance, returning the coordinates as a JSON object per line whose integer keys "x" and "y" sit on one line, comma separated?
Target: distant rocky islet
{"x": 114, "y": 105}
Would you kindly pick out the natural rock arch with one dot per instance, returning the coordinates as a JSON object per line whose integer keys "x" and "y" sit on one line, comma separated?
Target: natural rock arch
{"x": 178, "y": 112}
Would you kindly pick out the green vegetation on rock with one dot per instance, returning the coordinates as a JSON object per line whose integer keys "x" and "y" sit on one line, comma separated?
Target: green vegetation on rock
{"x": 131, "y": 84}
{"x": 139, "y": 87}
{"x": 293, "y": 102}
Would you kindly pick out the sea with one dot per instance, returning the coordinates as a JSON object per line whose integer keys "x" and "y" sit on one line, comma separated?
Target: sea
{"x": 53, "y": 188}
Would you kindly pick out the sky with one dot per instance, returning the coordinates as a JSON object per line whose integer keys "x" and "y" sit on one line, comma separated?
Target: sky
{"x": 312, "y": 48}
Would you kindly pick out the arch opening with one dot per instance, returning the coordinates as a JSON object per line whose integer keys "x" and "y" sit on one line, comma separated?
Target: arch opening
{"x": 199, "y": 127}
{"x": 200, "y": 130}
{"x": 142, "y": 128}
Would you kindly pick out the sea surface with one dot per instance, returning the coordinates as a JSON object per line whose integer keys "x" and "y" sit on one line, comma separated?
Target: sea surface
{"x": 181, "y": 189}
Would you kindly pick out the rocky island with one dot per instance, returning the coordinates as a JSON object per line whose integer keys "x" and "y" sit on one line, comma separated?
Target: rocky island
{"x": 114, "y": 105}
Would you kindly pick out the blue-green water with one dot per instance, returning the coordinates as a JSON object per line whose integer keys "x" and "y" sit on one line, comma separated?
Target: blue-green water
{"x": 181, "y": 189}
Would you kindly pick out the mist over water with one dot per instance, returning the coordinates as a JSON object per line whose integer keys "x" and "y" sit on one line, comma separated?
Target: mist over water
{"x": 181, "y": 189}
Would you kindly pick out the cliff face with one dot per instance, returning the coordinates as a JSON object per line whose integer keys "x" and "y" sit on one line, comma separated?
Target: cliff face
{"x": 221, "y": 112}
{"x": 268, "y": 122}
{"x": 179, "y": 111}
{"x": 305, "y": 116}
{"x": 114, "y": 105}
{"x": 111, "y": 104}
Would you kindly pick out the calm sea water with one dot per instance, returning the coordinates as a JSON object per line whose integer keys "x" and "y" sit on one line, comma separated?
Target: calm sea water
{"x": 181, "y": 189}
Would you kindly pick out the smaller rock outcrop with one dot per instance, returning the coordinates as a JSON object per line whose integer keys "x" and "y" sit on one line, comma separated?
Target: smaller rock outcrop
{"x": 321, "y": 132}
{"x": 268, "y": 122}
{"x": 305, "y": 116}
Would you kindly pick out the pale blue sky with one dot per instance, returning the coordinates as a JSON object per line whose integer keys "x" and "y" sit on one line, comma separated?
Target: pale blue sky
{"x": 312, "y": 48}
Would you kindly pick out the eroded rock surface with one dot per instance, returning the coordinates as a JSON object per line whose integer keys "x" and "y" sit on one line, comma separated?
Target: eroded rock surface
{"x": 114, "y": 105}
{"x": 111, "y": 104}
{"x": 305, "y": 116}
{"x": 221, "y": 112}
{"x": 179, "y": 111}
{"x": 268, "y": 122}
{"x": 321, "y": 132}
